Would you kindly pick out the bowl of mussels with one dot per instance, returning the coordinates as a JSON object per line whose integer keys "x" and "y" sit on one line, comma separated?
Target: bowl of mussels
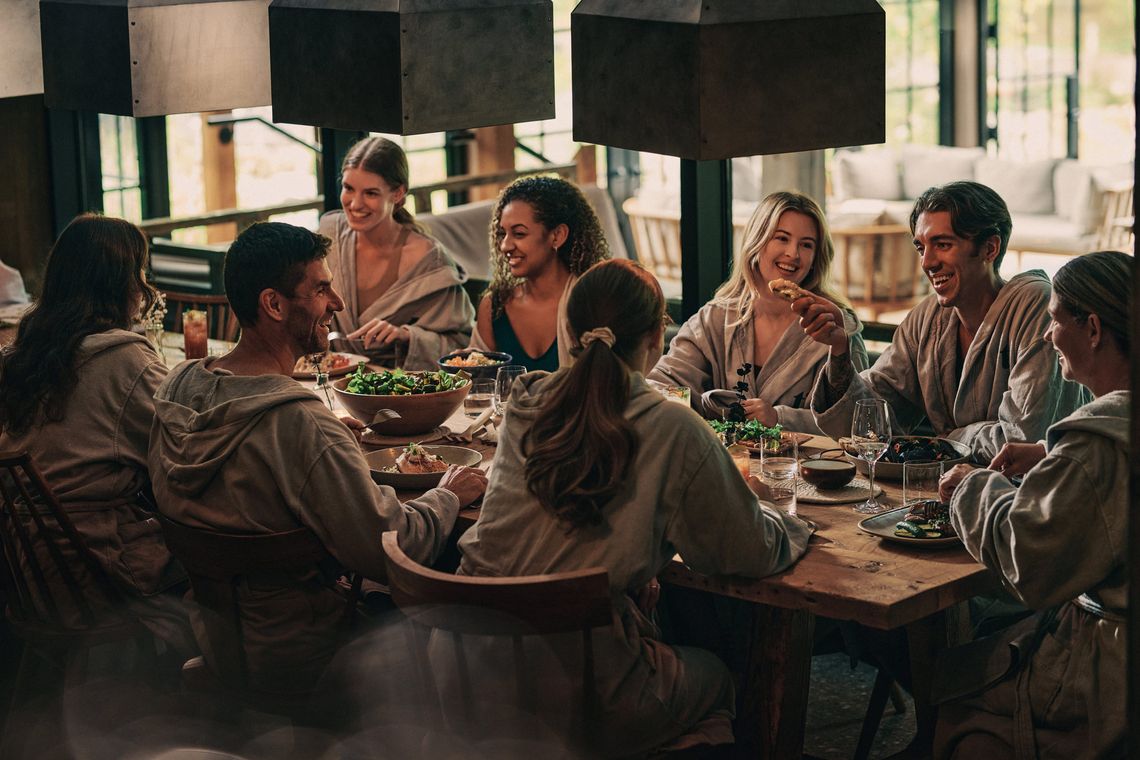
{"x": 914, "y": 448}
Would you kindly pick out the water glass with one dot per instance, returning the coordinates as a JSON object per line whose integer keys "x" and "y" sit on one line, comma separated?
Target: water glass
{"x": 781, "y": 475}
{"x": 479, "y": 397}
{"x": 503, "y": 380}
{"x": 920, "y": 481}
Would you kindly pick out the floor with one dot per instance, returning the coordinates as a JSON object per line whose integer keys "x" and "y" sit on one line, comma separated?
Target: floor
{"x": 836, "y": 706}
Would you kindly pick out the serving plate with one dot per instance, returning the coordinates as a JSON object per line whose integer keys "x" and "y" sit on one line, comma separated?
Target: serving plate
{"x": 894, "y": 470}
{"x": 787, "y": 439}
{"x": 883, "y": 526}
{"x": 378, "y": 460}
{"x": 354, "y": 359}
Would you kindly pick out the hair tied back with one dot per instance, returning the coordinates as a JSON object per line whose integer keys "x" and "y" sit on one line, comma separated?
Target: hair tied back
{"x": 604, "y": 334}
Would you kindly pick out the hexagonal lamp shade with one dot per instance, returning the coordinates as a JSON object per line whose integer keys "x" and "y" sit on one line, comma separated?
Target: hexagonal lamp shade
{"x": 713, "y": 79}
{"x": 21, "y": 69}
{"x": 155, "y": 57}
{"x": 411, "y": 66}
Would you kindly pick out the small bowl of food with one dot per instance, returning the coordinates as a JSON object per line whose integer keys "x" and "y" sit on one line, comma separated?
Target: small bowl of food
{"x": 474, "y": 362}
{"x": 422, "y": 399}
{"x": 828, "y": 470}
{"x": 417, "y": 467}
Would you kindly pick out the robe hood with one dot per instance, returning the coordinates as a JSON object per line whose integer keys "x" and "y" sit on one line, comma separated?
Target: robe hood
{"x": 97, "y": 343}
{"x": 1107, "y": 416}
{"x": 527, "y": 392}
{"x": 192, "y": 442}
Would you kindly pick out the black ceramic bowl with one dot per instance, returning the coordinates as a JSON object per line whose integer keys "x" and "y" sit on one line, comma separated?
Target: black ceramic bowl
{"x": 480, "y": 370}
{"x": 825, "y": 471}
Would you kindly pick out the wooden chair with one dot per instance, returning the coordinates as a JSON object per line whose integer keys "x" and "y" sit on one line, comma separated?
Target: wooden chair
{"x": 657, "y": 239}
{"x": 221, "y": 320}
{"x": 60, "y": 601}
{"x": 877, "y": 269}
{"x": 217, "y": 564}
{"x": 1116, "y": 231}
{"x": 512, "y": 608}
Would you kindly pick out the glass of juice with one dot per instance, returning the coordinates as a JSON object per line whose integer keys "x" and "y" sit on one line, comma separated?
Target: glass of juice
{"x": 194, "y": 332}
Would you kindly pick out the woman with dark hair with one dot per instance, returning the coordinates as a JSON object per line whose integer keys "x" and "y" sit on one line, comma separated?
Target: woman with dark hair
{"x": 748, "y": 327}
{"x": 544, "y": 235}
{"x": 403, "y": 295}
{"x": 77, "y": 392}
{"x": 1059, "y": 542}
{"x": 585, "y": 477}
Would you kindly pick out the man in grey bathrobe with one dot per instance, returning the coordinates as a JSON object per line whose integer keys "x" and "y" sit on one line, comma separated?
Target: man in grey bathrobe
{"x": 971, "y": 358}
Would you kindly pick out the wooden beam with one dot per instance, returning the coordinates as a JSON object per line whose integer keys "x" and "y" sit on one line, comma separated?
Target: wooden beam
{"x": 493, "y": 152}
{"x": 587, "y": 160}
{"x": 219, "y": 174}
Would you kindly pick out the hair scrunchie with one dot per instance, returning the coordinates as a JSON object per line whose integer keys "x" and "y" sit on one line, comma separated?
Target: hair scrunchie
{"x": 604, "y": 334}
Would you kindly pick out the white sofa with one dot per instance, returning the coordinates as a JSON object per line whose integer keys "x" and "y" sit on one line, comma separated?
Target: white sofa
{"x": 1057, "y": 206}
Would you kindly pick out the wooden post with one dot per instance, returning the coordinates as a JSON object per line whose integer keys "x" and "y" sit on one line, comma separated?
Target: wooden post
{"x": 587, "y": 160}
{"x": 219, "y": 175}
{"x": 493, "y": 151}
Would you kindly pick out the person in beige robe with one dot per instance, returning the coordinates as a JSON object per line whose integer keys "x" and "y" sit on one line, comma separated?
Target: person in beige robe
{"x": 428, "y": 299}
{"x": 1008, "y": 386}
{"x": 238, "y": 446}
{"x": 94, "y": 459}
{"x": 714, "y": 343}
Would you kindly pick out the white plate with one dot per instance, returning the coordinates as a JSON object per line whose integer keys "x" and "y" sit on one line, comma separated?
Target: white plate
{"x": 883, "y": 526}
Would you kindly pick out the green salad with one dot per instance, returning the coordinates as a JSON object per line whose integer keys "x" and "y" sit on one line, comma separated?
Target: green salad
{"x": 397, "y": 382}
{"x": 752, "y": 431}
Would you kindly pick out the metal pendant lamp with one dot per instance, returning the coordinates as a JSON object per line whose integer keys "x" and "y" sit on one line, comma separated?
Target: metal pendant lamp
{"x": 155, "y": 57}
{"x": 411, "y": 66}
{"x": 714, "y": 79}
{"x": 21, "y": 70}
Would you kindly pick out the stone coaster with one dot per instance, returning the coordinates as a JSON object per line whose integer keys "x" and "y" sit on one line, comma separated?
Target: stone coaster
{"x": 854, "y": 491}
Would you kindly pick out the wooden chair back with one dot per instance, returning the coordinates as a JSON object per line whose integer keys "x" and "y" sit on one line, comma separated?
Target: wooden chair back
{"x": 876, "y": 268}
{"x": 218, "y": 562}
{"x": 657, "y": 239}
{"x": 1116, "y": 231}
{"x": 53, "y": 584}
{"x": 221, "y": 322}
{"x": 511, "y": 608}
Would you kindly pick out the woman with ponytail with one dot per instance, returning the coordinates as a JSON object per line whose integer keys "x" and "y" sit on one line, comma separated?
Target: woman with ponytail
{"x": 596, "y": 469}
{"x": 403, "y": 295}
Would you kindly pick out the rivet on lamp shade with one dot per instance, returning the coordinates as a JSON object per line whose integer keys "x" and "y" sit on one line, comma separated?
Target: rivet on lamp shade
{"x": 155, "y": 57}
{"x": 411, "y": 66}
{"x": 21, "y": 68}
{"x": 714, "y": 79}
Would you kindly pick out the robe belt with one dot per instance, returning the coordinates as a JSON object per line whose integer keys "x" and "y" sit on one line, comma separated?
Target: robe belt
{"x": 1092, "y": 605}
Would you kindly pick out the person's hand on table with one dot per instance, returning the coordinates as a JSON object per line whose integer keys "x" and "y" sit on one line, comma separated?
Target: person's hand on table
{"x": 822, "y": 321}
{"x": 467, "y": 483}
{"x": 355, "y": 426}
{"x": 1016, "y": 459}
{"x": 760, "y": 410}
{"x": 377, "y": 333}
{"x": 950, "y": 480}
{"x": 648, "y": 595}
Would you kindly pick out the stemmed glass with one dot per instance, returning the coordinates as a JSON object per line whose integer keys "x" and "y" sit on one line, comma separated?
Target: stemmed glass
{"x": 870, "y": 436}
{"x": 503, "y": 380}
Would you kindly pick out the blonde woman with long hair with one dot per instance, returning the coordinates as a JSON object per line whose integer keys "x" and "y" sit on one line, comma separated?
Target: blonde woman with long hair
{"x": 747, "y": 327}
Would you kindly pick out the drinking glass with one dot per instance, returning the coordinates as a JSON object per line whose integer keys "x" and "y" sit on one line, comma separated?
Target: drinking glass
{"x": 503, "y": 380}
{"x": 781, "y": 475}
{"x": 481, "y": 396}
{"x": 920, "y": 482}
{"x": 870, "y": 436}
{"x": 194, "y": 333}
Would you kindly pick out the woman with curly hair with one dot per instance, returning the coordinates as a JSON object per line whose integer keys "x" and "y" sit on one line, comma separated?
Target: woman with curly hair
{"x": 748, "y": 328}
{"x": 544, "y": 235}
{"x": 584, "y": 478}
{"x": 404, "y": 301}
{"x": 77, "y": 393}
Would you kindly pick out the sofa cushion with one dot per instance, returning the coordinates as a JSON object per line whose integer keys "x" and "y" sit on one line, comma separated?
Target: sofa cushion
{"x": 925, "y": 166}
{"x": 1048, "y": 233}
{"x": 871, "y": 173}
{"x": 1027, "y": 188}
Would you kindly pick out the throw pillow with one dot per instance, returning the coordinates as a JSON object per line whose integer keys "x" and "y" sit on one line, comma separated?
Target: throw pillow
{"x": 872, "y": 173}
{"x": 1027, "y": 188}
{"x": 926, "y": 166}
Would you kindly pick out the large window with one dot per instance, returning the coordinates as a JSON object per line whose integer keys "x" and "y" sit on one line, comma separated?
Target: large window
{"x": 118, "y": 153}
{"x": 913, "y": 56}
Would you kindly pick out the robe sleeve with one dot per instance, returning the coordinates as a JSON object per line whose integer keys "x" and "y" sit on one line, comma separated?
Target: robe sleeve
{"x": 132, "y": 434}
{"x": 1050, "y": 540}
{"x": 894, "y": 378}
{"x": 721, "y": 528}
{"x": 803, "y": 420}
{"x": 349, "y": 512}
{"x": 689, "y": 364}
{"x": 444, "y": 327}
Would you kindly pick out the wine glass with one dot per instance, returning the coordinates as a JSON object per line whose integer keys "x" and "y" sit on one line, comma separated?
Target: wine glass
{"x": 503, "y": 380}
{"x": 870, "y": 436}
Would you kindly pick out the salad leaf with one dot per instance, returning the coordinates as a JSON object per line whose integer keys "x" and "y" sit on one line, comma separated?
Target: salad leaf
{"x": 397, "y": 382}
